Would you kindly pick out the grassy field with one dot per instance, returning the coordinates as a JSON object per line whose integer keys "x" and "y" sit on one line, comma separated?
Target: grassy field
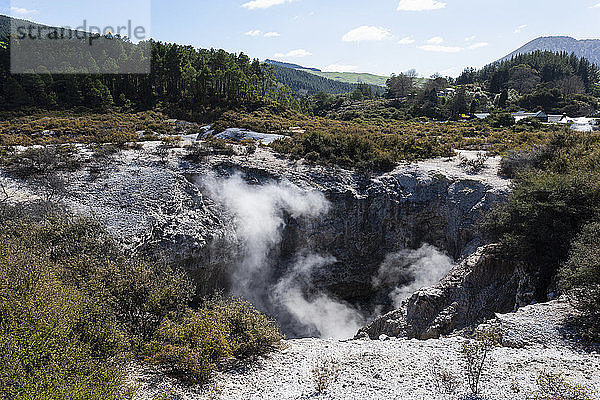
{"x": 358, "y": 77}
{"x": 351, "y": 77}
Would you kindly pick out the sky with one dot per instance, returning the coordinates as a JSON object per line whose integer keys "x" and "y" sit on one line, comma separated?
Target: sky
{"x": 376, "y": 36}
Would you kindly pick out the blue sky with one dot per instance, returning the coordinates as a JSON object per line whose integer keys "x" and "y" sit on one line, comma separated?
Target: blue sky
{"x": 378, "y": 36}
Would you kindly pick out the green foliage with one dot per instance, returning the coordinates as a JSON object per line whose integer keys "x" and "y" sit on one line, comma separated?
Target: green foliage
{"x": 192, "y": 346}
{"x": 556, "y": 193}
{"x": 580, "y": 277}
{"x": 309, "y": 83}
{"x": 500, "y": 120}
{"x": 556, "y": 387}
{"x": 31, "y": 127}
{"x": 182, "y": 78}
{"x": 74, "y": 311}
{"x": 373, "y": 141}
{"x": 57, "y": 341}
{"x": 372, "y": 152}
{"x": 548, "y": 66}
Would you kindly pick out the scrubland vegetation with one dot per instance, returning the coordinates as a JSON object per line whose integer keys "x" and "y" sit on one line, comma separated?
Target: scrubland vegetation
{"x": 74, "y": 311}
{"x": 550, "y": 223}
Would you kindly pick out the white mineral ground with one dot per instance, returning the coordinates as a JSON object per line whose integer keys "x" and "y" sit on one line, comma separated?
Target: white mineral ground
{"x": 536, "y": 340}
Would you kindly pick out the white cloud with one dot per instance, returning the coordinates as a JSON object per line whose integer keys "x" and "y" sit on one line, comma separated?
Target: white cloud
{"x": 436, "y": 40}
{"x": 435, "y": 45}
{"x": 470, "y": 38}
{"x": 259, "y": 4}
{"x": 520, "y": 28}
{"x": 21, "y": 11}
{"x": 340, "y": 68}
{"x": 596, "y": 6}
{"x": 253, "y": 33}
{"x": 406, "y": 40}
{"x": 478, "y": 45}
{"x": 294, "y": 54}
{"x": 366, "y": 33}
{"x": 441, "y": 49}
{"x": 272, "y": 34}
{"x": 420, "y": 5}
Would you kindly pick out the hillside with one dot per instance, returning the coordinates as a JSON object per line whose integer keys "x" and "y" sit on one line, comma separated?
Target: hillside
{"x": 352, "y": 77}
{"x": 4, "y": 26}
{"x": 290, "y": 65}
{"x": 312, "y": 83}
{"x": 345, "y": 77}
{"x": 589, "y": 49}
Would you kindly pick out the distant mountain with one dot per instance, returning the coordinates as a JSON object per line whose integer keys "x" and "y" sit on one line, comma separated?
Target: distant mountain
{"x": 353, "y": 77}
{"x": 4, "y": 26}
{"x": 292, "y": 66}
{"x": 306, "y": 83}
{"x": 589, "y": 48}
{"x": 346, "y": 77}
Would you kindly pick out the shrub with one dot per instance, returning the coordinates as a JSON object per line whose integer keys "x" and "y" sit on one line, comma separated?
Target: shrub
{"x": 473, "y": 165}
{"x": 580, "y": 277}
{"x": 444, "y": 380}
{"x": 55, "y": 341}
{"x": 556, "y": 387}
{"x": 500, "y": 120}
{"x": 325, "y": 373}
{"x": 553, "y": 198}
{"x": 475, "y": 353}
{"x": 516, "y": 162}
{"x": 74, "y": 310}
{"x": 191, "y": 347}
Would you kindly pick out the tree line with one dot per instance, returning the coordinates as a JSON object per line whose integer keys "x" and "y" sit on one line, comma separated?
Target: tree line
{"x": 525, "y": 72}
{"x": 181, "y": 77}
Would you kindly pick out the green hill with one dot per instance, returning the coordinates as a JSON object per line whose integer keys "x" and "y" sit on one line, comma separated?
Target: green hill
{"x": 345, "y": 77}
{"x": 351, "y": 77}
{"x": 309, "y": 82}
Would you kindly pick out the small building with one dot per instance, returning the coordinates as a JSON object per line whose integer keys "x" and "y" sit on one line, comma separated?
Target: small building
{"x": 541, "y": 116}
{"x": 521, "y": 115}
{"x": 448, "y": 92}
{"x": 559, "y": 119}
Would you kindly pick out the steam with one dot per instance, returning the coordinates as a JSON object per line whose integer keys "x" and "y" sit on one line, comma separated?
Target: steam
{"x": 260, "y": 212}
{"x": 411, "y": 270}
{"x": 330, "y": 318}
{"x": 286, "y": 289}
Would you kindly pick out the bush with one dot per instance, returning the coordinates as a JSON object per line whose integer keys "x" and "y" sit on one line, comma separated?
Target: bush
{"x": 516, "y": 162}
{"x": 473, "y": 165}
{"x": 74, "y": 311}
{"x": 325, "y": 373}
{"x": 580, "y": 277}
{"x": 556, "y": 193}
{"x": 55, "y": 340}
{"x": 556, "y": 387}
{"x": 444, "y": 380}
{"x": 475, "y": 353}
{"x": 191, "y": 347}
{"x": 500, "y": 120}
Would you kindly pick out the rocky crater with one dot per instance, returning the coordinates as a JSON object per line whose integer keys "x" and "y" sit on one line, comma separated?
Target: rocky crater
{"x": 161, "y": 204}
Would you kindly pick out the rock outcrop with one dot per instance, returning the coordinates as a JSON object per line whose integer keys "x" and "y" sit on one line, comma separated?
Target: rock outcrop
{"x": 151, "y": 200}
{"x": 480, "y": 286}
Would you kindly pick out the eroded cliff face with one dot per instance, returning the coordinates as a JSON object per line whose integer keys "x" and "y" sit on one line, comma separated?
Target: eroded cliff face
{"x": 162, "y": 205}
{"x": 482, "y": 285}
